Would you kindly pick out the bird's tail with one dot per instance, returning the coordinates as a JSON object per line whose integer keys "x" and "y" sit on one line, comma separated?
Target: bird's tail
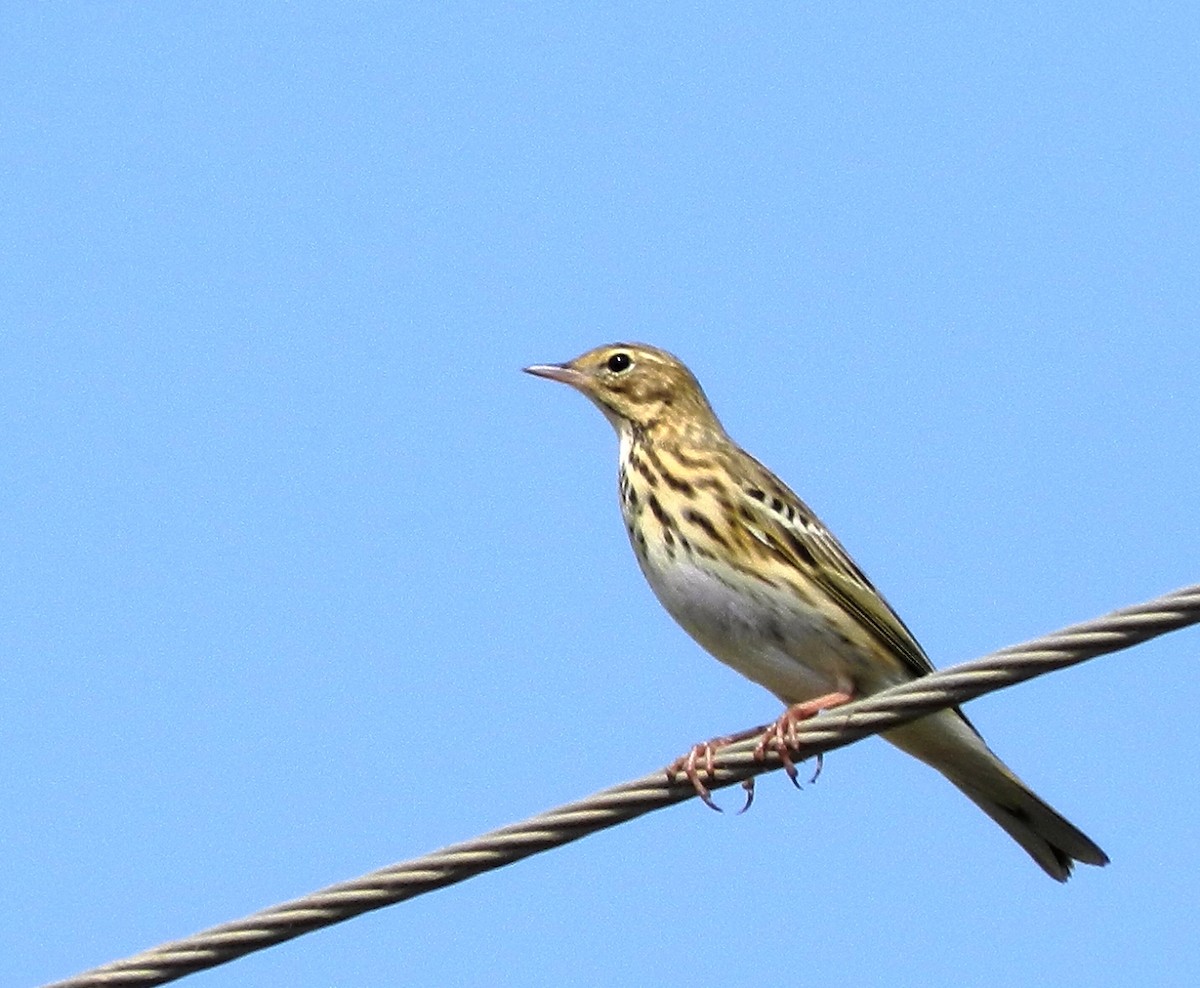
{"x": 948, "y": 742}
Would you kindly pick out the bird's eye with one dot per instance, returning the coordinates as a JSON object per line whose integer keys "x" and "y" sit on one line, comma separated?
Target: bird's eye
{"x": 618, "y": 362}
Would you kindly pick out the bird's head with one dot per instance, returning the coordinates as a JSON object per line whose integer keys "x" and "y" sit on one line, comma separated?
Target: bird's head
{"x": 637, "y": 387}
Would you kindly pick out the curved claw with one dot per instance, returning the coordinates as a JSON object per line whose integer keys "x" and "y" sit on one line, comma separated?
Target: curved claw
{"x": 774, "y": 739}
{"x": 789, "y": 766}
{"x": 706, "y": 798}
{"x": 748, "y": 785}
{"x": 688, "y": 765}
{"x": 781, "y": 737}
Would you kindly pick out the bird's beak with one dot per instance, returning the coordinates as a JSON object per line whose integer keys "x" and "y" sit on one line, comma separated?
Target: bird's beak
{"x": 557, "y": 372}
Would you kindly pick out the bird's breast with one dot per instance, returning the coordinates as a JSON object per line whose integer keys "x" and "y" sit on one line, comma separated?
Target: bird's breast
{"x": 766, "y": 633}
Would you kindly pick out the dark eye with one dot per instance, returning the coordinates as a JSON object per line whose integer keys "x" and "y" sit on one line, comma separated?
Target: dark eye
{"x": 618, "y": 362}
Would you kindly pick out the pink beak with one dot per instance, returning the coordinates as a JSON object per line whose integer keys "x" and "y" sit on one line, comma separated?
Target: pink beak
{"x": 556, "y": 372}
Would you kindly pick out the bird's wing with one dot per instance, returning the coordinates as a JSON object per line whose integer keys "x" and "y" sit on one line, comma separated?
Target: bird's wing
{"x": 784, "y": 523}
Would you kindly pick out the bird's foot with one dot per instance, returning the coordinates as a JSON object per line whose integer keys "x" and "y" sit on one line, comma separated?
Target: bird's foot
{"x": 699, "y": 761}
{"x": 781, "y": 736}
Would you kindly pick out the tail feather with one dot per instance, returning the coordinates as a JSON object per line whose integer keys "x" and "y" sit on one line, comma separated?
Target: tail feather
{"x": 1052, "y": 841}
{"x": 947, "y": 742}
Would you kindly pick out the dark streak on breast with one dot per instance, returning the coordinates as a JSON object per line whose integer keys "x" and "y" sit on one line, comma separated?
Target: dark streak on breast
{"x": 625, "y": 488}
{"x": 643, "y": 468}
{"x": 671, "y": 480}
{"x": 660, "y": 515}
{"x": 691, "y": 462}
{"x": 639, "y": 544}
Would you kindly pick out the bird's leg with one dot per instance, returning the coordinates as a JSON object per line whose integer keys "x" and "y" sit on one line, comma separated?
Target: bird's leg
{"x": 780, "y": 737}
{"x": 702, "y": 755}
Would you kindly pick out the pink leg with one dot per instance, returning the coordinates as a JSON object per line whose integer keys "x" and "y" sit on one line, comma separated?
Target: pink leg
{"x": 780, "y": 737}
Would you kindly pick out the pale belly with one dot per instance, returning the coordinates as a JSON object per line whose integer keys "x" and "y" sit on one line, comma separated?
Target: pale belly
{"x": 768, "y": 635}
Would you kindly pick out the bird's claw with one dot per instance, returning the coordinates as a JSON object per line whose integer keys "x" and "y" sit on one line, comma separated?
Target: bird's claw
{"x": 689, "y": 766}
{"x": 748, "y": 785}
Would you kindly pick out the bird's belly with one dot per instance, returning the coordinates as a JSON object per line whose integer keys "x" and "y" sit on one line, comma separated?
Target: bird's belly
{"x": 767, "y": 634}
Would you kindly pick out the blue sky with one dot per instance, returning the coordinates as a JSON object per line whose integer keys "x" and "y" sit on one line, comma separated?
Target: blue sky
{"x": 302, "y": 577}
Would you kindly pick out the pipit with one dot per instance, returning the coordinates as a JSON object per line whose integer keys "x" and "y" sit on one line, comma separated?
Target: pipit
{"x": 758, "y": 581}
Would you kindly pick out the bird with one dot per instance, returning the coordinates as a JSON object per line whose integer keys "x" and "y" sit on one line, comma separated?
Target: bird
{"x": 752, "y": 575}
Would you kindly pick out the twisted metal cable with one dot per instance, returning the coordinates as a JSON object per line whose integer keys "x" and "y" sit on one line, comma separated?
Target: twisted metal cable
{"x": 880, "y": 712}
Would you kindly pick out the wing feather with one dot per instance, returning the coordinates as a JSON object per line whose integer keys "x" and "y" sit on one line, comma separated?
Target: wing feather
{"x": 789, "y": 528}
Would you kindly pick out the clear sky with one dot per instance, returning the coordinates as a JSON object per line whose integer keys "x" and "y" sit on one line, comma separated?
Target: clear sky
{"x": 301, "y": 576}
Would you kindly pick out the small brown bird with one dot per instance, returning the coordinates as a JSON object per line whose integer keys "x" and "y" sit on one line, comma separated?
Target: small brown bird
{"x": 753, "y": 575}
